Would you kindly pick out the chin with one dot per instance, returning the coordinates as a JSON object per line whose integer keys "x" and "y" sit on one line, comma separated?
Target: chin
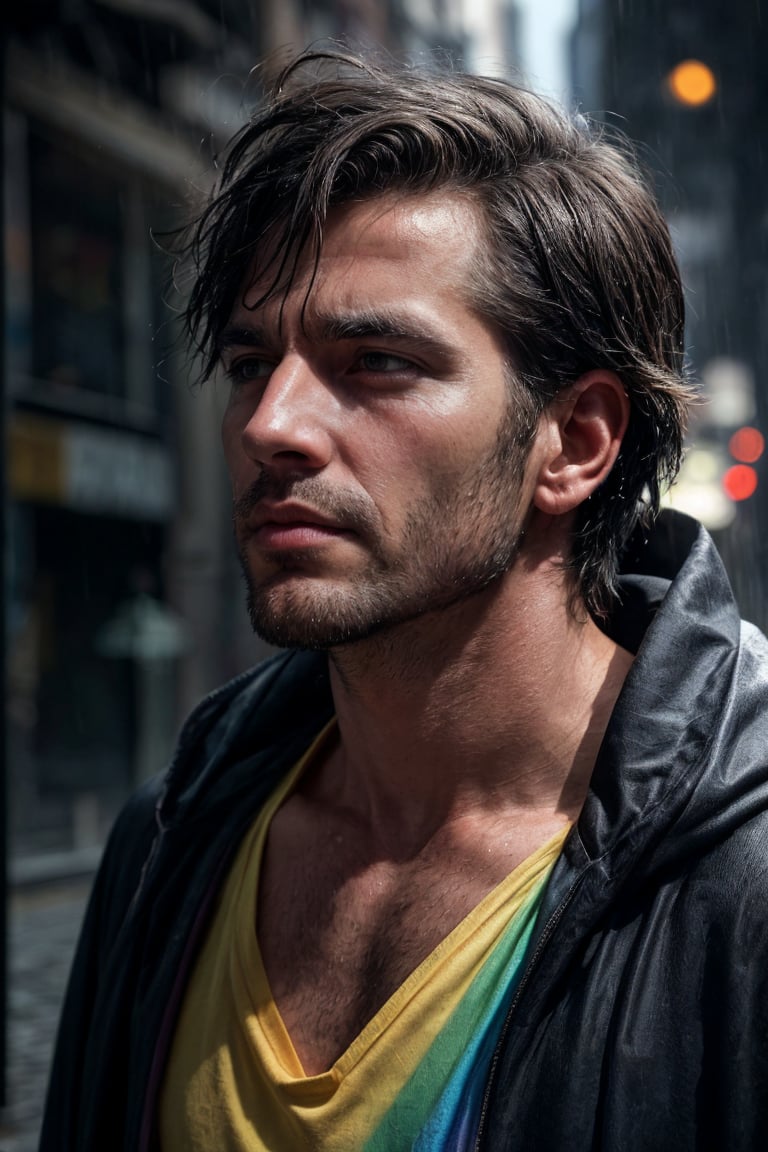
{"x": 294, "y": 613}
{"x": 312, "y": 619}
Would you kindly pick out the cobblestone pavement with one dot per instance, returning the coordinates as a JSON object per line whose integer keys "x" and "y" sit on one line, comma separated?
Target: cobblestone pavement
{"x": 43, "y": 925}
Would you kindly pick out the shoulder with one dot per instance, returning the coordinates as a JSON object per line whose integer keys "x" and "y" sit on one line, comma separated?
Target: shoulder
{"x": 705, "y": 916}
{"x": 126, "y": 852}
{"x": 282, "y": 701}
{"x": 731, "y": 879}
{"x": 260, "y": 700}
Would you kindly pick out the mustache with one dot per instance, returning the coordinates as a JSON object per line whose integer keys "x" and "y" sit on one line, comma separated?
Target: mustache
{"x": 350, "y": 510}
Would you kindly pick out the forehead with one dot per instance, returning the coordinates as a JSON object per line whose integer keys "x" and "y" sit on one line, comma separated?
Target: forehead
{"x": 419, "y": 247}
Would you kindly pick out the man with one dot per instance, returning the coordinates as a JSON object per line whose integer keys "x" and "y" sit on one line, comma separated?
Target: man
{"x": 480, "y": 860}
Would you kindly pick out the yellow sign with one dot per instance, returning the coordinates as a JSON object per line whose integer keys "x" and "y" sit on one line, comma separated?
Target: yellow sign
{"x": 88, "y": 468}
{"x": 37, "y": 460}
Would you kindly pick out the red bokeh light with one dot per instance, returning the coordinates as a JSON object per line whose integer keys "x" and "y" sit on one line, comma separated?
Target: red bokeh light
{"x": 747, "y": 445}
{"x": 740, "y": 482}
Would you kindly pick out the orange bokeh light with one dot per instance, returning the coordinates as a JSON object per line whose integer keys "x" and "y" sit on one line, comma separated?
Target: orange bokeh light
{"x": 692, "y": 82}
{"x": 747, "y": 445}
{"x": 740, "y": 482}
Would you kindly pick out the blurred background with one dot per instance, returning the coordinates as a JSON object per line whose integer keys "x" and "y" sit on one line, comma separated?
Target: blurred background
{"x": 122, "y": 596}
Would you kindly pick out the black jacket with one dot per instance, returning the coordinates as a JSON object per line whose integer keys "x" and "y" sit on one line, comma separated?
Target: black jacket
{"x": 641, "y": 1024}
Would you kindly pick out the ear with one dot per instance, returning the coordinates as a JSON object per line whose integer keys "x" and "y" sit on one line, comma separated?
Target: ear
{"x": 580, "y": 436}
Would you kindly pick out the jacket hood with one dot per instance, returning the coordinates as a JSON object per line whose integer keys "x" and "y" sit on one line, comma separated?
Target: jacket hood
{"x": 683, "y": 761}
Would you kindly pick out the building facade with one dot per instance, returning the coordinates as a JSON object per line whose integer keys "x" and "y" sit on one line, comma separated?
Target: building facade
{"x": 124, "y": 601}
{"x": 690, "y": 88}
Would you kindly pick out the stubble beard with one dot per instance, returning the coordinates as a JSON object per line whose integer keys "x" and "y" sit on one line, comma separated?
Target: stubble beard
{"x": 457, "y": 541}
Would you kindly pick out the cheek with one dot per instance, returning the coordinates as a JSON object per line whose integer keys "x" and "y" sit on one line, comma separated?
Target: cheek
{"x": 228, "y": 427}
{"x": 228, "y": 442}
{"x": 235, "y": 456}
{"x": 412, "y": 464}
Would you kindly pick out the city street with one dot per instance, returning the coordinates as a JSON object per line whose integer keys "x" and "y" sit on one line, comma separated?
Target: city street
{"x": 44, "y": 921}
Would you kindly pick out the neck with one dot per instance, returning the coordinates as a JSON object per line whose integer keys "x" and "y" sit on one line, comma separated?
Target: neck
{"x": 498, "y": 702}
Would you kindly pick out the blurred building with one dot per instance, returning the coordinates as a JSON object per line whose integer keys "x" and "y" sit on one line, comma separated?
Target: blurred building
{"x": 124, "y": 599}
{"x": 492, "y": 37}
{"x": 687, "y": 80}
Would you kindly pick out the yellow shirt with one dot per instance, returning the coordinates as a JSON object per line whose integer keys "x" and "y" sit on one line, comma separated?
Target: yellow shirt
{"x": 411, "y": 1078}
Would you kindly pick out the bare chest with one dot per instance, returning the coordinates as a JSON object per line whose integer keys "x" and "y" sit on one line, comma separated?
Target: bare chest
{"x": 340, "y": 932}
{"x": 337, "y": 943}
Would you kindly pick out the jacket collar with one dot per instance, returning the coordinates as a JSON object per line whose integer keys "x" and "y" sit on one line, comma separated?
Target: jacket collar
{"x": 676, "y": 612}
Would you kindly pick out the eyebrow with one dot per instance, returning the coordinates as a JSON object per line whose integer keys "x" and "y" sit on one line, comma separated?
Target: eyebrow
{"x": 330, "y": 327}
{"x": 236, "y": 337}
{"x": 371, "y": 323}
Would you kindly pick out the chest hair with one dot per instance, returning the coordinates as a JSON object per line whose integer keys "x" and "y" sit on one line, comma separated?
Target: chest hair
{"x": 340, "y": 931}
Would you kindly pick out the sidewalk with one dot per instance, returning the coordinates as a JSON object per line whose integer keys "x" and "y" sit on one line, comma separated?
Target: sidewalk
{"x": 44, "y": 920}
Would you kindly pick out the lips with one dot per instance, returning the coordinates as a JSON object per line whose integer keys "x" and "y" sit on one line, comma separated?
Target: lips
{"x": 290, "y": 526}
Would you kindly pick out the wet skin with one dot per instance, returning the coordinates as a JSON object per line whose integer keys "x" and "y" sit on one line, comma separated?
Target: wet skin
{"x": 371, "y": 436}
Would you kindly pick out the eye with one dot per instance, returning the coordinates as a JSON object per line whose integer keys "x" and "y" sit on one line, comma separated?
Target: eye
{"x": 248, "y": 368}
{"x": 384, "y": 362}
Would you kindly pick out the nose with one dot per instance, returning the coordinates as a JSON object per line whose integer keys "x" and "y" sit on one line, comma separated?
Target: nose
{"x": 290, "y": 423}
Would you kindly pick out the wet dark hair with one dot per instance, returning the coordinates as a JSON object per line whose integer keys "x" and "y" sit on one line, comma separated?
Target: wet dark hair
{"x": 577, "y": 270}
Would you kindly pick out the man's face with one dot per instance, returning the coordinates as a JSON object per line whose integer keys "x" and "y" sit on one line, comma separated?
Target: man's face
{"x": 377, "y": 464}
